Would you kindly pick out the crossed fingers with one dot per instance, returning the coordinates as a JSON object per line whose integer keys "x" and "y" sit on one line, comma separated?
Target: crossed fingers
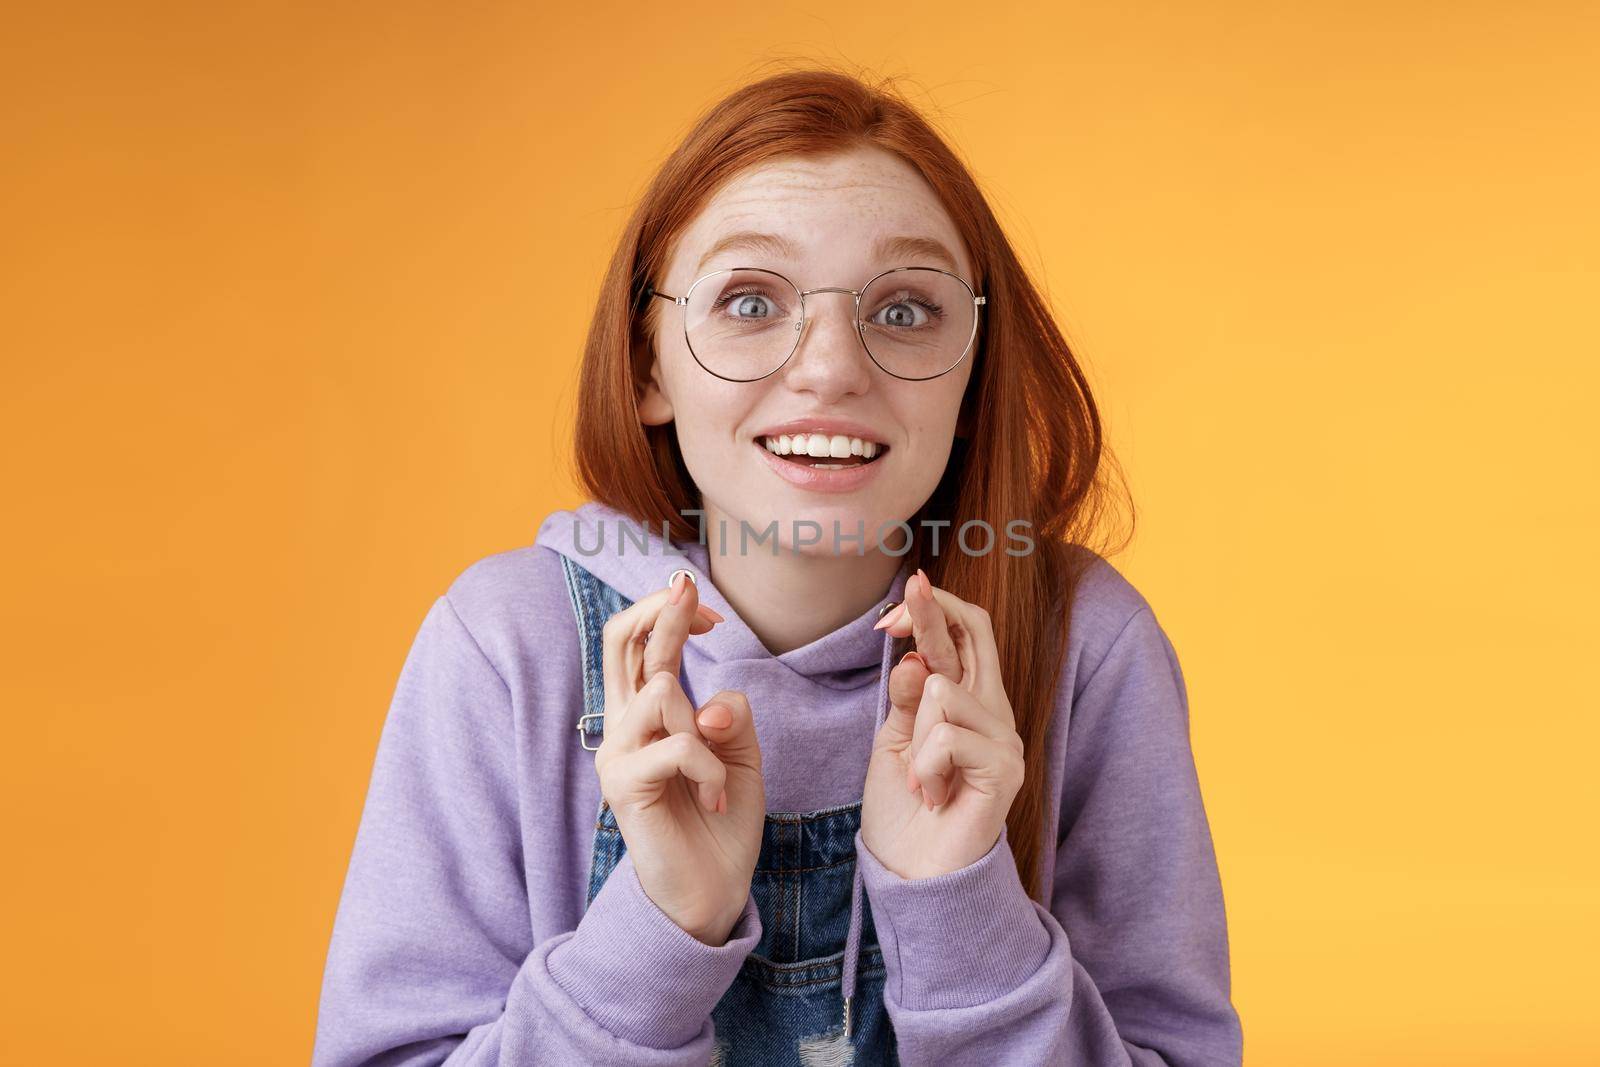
{"x": 962, "y": 721}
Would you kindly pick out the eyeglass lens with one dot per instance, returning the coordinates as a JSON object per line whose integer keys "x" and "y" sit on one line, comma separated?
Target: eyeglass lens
{"x": 743, "y": 324}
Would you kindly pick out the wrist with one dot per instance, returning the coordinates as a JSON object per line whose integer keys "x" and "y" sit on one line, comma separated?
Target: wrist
{"x": 709, "y": 927}
{"x": 717, "y": 931}
{"x": 920, "y": 864}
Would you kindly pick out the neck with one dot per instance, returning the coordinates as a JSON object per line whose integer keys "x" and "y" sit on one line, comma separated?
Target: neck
{"x": 789, "y": 599}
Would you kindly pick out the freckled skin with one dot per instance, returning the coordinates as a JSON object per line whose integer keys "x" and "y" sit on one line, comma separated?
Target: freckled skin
{"x": 833, "y": 210}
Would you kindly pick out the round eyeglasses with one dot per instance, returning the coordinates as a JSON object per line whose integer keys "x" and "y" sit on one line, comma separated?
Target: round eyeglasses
{"x": 743, "y": 324}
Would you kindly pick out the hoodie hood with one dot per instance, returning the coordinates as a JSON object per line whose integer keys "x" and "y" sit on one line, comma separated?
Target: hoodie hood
{"x": 817, "y": 708}
{"x": 591, "y": 535}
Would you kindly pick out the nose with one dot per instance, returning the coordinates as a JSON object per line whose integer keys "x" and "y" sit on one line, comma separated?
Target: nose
{"x": 829, "y": 359}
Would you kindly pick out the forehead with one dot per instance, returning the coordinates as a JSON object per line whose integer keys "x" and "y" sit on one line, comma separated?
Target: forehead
{"x": 829, "y": 216}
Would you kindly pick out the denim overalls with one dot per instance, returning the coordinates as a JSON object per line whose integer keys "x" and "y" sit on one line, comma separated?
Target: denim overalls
{"x": 786, "y": 1006}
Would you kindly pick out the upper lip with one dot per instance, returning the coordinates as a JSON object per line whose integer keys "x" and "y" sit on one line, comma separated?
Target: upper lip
{"x": 826, "y": 424}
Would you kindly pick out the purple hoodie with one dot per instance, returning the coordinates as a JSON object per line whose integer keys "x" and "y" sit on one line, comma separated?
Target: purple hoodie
{"x": 461, "y": 936}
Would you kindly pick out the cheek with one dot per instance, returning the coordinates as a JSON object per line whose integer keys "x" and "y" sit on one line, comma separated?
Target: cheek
{"x": 957, "y": 391}
{"x": 931, "y": 419}
{"x": 931, "y": 416}
{"x": 707, "y": 412}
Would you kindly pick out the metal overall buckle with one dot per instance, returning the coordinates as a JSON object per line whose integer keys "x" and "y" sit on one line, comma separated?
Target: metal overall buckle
{"x": 583, "y": 735}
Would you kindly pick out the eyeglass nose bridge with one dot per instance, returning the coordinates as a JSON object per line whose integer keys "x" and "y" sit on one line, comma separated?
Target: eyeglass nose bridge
{"x": 805, "y": 317}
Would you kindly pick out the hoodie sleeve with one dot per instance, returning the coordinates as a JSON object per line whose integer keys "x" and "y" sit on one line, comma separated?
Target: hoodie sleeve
{"x": 1129, "y": 965}
{"x": 432, "y": 958}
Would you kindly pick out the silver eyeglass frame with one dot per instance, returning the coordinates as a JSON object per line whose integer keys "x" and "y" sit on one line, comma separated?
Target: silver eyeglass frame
{"x": 799, "y": 327}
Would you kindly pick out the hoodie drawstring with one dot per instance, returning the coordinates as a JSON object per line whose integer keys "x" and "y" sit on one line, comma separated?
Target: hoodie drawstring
{"x": 852, "y": 939}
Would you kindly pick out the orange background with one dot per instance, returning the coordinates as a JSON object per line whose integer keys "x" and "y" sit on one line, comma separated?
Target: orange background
{"x": 293, "y": 297}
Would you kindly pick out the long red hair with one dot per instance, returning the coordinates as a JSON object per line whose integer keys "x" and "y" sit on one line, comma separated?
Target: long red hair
{"x": 1033, "y": 448}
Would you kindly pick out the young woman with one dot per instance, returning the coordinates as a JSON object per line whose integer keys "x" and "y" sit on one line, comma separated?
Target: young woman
{"x": 819, "y": 735}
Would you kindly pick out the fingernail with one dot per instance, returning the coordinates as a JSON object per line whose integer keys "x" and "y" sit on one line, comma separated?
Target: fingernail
{"x": 926, "y": 587}
{"x": 889, "y": 617}
{"x": 676, "y": 585}
{"x": 714, "y": 616}
{"x": 716, "y": 717}
{"x": 722, "y": 802}
{"x": 916, "y": 656}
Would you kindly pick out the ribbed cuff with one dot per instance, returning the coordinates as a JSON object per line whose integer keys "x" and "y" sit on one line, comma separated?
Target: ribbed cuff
{"x": 957, "y": 939}
{"x": 639, "y": 975}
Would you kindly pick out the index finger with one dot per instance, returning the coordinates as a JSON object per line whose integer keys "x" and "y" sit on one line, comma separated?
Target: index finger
{"x": 973, "y": 633}
{"x": 663, "y": 650}
{"x": 929, "y": 628}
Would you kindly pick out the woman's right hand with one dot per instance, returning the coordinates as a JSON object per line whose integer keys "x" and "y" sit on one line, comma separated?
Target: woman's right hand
{"x": 684, "y": 783}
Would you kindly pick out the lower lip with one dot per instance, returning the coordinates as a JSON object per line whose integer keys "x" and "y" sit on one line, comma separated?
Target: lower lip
{"x": 842, "y": 480}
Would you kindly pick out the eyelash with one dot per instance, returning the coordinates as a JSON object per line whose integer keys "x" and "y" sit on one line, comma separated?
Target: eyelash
{"x": 723, "y": 300}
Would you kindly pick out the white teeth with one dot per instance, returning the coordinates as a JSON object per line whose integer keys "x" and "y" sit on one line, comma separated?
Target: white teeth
{"x": 821, "y": 446}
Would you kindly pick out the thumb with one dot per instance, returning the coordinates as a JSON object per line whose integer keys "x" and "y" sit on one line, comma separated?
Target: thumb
{"x": 726, "y": 721}
{"x": 905, "y": 694}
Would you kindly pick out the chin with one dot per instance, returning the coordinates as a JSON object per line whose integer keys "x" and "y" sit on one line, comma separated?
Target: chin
{"x": 813, "y": 521}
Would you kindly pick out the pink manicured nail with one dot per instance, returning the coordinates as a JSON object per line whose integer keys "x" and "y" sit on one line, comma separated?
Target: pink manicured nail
{"x": 712, "y": 614}
{"x": 677, "y": 587}
{"x": 715, "y": 717}
{"x": 890, "y": 617}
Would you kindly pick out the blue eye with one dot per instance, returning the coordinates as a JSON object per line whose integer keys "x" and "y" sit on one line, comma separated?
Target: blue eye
{"x": 908, "y": 314}
{"x": 751, "y": 307}
{"x": 747, "y": 304}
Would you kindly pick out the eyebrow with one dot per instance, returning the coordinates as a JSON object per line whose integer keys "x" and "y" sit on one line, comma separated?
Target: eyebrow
{"x": 901, "y": 247}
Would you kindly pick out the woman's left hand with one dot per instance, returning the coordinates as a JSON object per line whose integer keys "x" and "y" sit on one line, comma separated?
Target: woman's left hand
{"x": 948, "y": 760}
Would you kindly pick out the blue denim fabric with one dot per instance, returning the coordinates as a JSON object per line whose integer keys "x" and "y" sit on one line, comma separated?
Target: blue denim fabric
{"x": 785, "y": 1006}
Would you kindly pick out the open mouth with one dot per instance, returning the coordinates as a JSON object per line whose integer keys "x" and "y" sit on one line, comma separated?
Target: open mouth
{"x": 823, "y": 451}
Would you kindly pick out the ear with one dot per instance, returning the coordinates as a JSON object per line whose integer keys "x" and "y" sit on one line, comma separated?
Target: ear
{"x": 655, "y": 408}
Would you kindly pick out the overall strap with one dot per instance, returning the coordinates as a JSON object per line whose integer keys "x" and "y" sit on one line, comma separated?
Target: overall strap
{"x": 593, "y": 602}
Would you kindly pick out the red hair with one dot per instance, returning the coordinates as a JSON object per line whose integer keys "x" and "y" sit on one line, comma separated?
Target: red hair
{"x": 1034, "y": 448}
